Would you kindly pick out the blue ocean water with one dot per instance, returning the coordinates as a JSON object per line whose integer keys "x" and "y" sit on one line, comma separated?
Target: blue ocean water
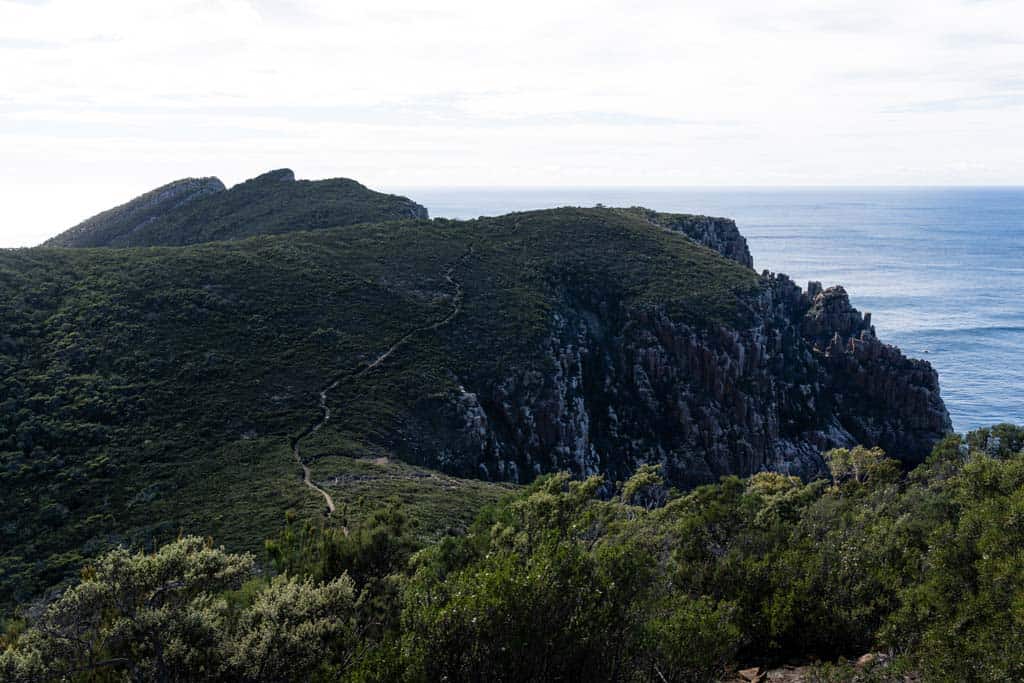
{"x": 941, "y": 269}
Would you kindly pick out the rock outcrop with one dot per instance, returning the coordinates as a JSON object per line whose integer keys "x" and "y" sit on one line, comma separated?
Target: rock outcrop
{"x": 720, "y": 234}
{"x": 888, "y": 399}
{"x": 622, "y": 387}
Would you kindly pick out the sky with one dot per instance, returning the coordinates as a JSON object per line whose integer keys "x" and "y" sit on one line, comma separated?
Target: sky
{"x": 103, "y": 100}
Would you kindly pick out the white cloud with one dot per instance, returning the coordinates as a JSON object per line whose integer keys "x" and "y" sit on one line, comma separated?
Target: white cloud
{"x": 102, "y": 100}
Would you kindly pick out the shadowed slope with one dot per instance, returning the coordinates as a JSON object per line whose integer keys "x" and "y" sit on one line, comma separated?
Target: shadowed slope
{"x": 193, "y": 211}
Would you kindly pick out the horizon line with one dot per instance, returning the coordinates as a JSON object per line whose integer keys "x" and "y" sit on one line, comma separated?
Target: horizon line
{"x": 1006, "y": 186}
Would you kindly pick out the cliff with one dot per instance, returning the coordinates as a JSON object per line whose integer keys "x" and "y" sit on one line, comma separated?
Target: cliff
{"x": 623, "y": 385}
{"x": 193, "y": 211}
{"x": 720, "y": 234}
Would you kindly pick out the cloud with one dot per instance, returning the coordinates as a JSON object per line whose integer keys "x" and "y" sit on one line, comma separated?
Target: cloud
{"x": 133, "y": 94}
{"x": 970, "y": 41}
{"x": 955, "y": 104}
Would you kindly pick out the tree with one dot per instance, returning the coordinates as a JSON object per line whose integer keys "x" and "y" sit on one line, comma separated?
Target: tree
{"x": 291, "y": 629}
{"x": 861, "y": 465}
{"x": 152, "y": 617}
{"x": 374, "y": 554}
{"x": 646, "y": 488}
{"x": 165, "y": 617}
{"x": 689, "y": 640}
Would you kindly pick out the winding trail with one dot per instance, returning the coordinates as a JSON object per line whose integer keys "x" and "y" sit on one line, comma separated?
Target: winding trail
{"x": 325, "y": 411}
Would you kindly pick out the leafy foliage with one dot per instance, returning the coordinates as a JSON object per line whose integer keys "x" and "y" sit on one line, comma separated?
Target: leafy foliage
{"x": 557, "y": 583}
{"x": 164, "y": 617}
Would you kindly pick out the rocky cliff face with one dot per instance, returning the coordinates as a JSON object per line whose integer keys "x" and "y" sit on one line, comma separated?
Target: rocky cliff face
{"x": 626, "y": 386}
{"x": 887, "y": 398}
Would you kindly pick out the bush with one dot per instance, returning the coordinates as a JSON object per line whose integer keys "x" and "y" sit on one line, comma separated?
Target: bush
{"x": 165, "y": 616}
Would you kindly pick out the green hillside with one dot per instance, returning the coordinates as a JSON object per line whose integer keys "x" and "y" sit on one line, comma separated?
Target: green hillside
{"x": 147, "y": 392}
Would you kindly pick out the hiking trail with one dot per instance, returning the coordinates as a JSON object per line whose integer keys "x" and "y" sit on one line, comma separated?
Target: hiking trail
{"x": 325, "y": 410}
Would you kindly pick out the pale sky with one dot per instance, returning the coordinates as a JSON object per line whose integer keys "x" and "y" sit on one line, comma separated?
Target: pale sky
{"x": 105, "y": 99}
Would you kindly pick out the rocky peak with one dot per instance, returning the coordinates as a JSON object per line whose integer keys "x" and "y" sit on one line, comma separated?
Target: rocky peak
{"x": 280, "y": 175}
{"x": 882, "y": 397}
{"x": 830, "y": 315}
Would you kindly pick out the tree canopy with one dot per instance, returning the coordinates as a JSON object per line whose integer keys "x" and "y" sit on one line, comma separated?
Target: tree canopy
{"x": 563, "y": 581}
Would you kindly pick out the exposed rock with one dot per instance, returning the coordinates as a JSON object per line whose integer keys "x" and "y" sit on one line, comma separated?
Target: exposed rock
{"x": 871, "y": 659}
{"x": 790, "y": 674}
{"x": 281, "y": 175}
{"x": 872, "y": 665}
{"x": 888, "y": 399}
{"x": 753, "y": 674}
{"x": 624, "y": 387}
{"x": 830, "y": 315}
{"x": 720, "y": 234}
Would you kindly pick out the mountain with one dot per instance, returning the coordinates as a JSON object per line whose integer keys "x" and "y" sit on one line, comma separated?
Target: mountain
{"x": 116, "y": 227}
{"x": 196, "y": 210}
{"x": 147, "y": 392}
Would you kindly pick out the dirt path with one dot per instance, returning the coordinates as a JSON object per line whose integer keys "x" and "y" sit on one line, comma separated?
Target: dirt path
{"x": 325, "y": 411}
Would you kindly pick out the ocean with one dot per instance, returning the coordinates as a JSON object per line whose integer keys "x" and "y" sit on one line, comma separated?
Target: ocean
{"x": 940, "y": 269}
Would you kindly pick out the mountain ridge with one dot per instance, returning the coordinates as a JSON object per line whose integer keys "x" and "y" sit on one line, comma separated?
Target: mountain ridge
{"x": 197, "y": 210}
{"x": 115, "y": 225}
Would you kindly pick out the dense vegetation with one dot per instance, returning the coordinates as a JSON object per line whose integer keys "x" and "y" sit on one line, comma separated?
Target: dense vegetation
{"x": 197, "y": 210}
{"x": 153, "y": 394}
{"x": 557, "y": 583}
{"x": 149, "y": 392}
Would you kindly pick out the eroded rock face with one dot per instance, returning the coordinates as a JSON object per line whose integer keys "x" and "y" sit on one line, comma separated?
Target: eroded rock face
{"x": 621, "y": 388}
{"x": 888, "y": 399}
{"x": 720, "y": 234}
